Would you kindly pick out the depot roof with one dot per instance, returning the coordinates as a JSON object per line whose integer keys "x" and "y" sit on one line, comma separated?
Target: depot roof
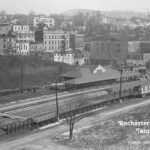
{"x": 100, "y": 73}
{"x": 100, "y": 76}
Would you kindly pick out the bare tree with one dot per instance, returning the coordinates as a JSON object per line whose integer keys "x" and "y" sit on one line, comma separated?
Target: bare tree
{"x": 73, "y": 109}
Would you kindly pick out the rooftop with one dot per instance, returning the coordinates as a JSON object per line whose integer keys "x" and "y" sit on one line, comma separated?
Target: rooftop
{"x": 87, "y": 75}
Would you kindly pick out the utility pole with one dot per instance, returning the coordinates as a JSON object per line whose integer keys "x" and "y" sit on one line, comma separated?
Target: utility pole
{"x": 120, "y": 91}
{"x": 21, "y": 77}
{"x": 57, "y": 108}
{"x": 21, "y": 72}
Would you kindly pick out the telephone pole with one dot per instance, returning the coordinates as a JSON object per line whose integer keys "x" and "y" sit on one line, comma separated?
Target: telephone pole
{"x": 120, "y": 91}
{"x": 21, "y": 72}
{"x": 57, "y": 107}
{"x": 21, "y": 77}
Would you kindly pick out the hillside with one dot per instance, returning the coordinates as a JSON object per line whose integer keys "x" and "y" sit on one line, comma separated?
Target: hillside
{"x": 111, "y": 13}
{"x": 35, "y": 71}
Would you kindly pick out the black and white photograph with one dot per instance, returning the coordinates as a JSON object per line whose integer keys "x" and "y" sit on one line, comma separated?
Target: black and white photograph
{"x": 74, "y": 74}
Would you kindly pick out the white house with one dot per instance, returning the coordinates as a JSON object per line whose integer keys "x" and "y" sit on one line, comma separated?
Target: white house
{"x": 22, "y": 48}
{"x": 21, "y": 28}
{"x": 48, "y": 21}
{"x": 70, "y": 57}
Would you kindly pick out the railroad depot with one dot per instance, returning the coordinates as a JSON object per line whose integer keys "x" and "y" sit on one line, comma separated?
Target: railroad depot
{"x": 33, "y": 114}
{"x": 97, "y": 76}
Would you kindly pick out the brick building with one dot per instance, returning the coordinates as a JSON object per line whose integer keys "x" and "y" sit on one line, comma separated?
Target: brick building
{"x": 7, "y": 44}
{"x": 5, "y": 29}
{"x": 76, "y": 41}
{"x": 138, "y": 59}
{"x": 139, "y": 46}
{"x": 106, "y": 52}
{"x": 55, "y": 41}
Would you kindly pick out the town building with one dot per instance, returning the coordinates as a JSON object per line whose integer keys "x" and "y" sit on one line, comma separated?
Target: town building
{"x": 70, "y": 57}
{"x": 39, "y": 35}
{"x": 25, "y": 36}
{"x": 133, "y": 46}
{"x": 7, "y": 44}
{"x": 137, "y": 59}
{"x": 36, "y": 48}
{"x": 21, "y": 28}
{"x": 23, "y": 33}
{"x": 87, "y": 57}
{"x": 48, "y": 21}
{"x": 23, "y": 48}
{"x": 5, "y": 29}
{"x": 76, "y": 41}
{"x": 79, "y": 58}
{"x": 55, "y": 41}
{"x": 139, "y": 46}
{"x": 108, "y": 52}
{"x": 67, "y": 58}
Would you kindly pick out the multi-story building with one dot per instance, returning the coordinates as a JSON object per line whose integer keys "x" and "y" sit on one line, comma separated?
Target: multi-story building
{"x": 21, "y": 28}
{"x": 77, "y": 41}
{"x": 36, "y": 48}
{"x": 106, "y": 52}
{"x": 25, "y": 36}
{"x": 70, "y": 57}
{"x": 5, "y": 29}
{"x": 48, "y": 21}
{"x": 23, "y": 48}
{"x": 138, "y": 59}
{"x": 55, "y": 41}
{"x": 7, "y": 44}
{"x": 67, "y": 58}
{"x": 23, "y": 33}
{"x": 133, "y": 46}
{"x": 139, "y": 46}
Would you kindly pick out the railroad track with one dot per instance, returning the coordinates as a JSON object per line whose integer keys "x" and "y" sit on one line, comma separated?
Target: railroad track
{"x": 42, "y": 109}
{"x": 39, "y": 101}
{"x": 51, "y": 98}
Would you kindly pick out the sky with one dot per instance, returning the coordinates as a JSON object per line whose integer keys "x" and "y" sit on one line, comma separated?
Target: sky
{"x": 60, "y": 6}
